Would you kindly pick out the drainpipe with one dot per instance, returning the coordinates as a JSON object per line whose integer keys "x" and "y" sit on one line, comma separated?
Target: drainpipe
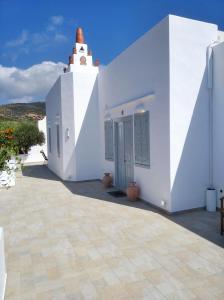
{"x": 211, "y": 194}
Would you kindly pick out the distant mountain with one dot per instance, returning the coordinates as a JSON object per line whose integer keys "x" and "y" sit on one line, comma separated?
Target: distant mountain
{"x": 22, "y": 111}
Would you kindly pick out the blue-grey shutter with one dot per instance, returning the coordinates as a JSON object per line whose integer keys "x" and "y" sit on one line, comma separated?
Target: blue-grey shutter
{"x": 137, "y": 136}
{"x": 141, "y": 135}
{"x": 58, "y": 140}
{"x": 145, "y": 138}
{"x": 108, "y": 132}
{"x": 49, "y": 138}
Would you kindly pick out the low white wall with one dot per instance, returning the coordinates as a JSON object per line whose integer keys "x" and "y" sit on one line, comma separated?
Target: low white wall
{"x": 218, "y": 117}
{"x": 189, "y": 111}
{"x": 8, "y": 177}
{"x": 2, "y": 266}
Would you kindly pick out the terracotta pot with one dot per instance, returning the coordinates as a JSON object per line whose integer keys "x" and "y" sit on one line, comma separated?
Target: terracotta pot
{"x": 107, "y": 180}
{"x": 133, "y": 191}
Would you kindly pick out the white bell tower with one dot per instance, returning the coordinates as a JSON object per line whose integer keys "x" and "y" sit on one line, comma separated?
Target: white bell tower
{"x": 81, "y": 56}
{"x": 80, "y": 114}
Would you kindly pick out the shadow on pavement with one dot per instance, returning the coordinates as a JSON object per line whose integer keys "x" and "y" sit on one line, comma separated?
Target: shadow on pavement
{"x": 199, "y": 221}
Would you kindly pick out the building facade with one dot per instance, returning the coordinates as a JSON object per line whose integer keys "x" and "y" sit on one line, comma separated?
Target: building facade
{"x": 153, "y": 115}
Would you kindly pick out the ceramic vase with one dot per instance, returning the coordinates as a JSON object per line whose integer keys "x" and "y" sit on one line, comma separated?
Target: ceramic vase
{"x": 107, "y": 180}
{"x": 133, "y": 191}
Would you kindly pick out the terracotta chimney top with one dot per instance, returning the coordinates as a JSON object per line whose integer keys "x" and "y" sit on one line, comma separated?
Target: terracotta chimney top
{"x": 71, "y": 61}
{"x": 79, "y": 36}
{"x": 97, "y": 63}
{"x": 89, "y": 52}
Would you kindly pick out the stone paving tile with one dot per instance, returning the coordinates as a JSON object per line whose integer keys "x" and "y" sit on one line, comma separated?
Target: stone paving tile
{"x": 74, "y": 241}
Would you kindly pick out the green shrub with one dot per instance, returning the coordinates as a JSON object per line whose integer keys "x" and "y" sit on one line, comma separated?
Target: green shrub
{"x": 27, "y": 135}
{"x": 5, "y": 155}
{"x": 17, "y": 137}
{"x": 8, "y": 124}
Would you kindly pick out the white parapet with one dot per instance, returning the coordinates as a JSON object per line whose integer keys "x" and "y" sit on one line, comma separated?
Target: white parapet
{"x": 8, "y": 176}
{"x": 2, "y": 266}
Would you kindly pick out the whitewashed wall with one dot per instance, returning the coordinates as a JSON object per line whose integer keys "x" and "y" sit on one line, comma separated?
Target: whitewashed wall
{"x": 218, "y": 110}
{"x": 2, "y": 266}
{"x": 67, "y": 128}
{"x": 143, "y": 69}
{"x": 53, "y": 110}
{"x": 86, "y": 114}
{"x": 189, "y": 111}
{"x": 168, "y": 62}
{"x": 73, "y": 104}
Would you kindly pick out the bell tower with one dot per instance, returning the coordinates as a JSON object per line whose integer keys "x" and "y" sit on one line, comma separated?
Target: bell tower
{"x": 80, "y": 114}
{"x": 81, "y": 54}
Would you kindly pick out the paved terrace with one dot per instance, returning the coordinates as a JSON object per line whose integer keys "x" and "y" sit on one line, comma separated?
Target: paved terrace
{"x": 74, "y": 241}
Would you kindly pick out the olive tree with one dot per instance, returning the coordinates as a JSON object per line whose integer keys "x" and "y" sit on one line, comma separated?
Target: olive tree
{"x": 27, "y": 135}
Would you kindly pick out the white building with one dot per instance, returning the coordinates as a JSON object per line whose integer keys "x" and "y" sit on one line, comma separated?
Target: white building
{"x": 153, "y": 115}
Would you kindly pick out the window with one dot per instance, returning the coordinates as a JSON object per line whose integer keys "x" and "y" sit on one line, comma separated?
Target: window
{"x": 141, "y": 134}
{"x": 108, "y": 131}
{"x": 49, "y": 139}
{"x": 58, "y": 140}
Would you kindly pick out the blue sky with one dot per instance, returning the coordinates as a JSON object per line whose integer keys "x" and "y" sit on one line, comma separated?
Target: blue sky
{"x": 38, "y": 31}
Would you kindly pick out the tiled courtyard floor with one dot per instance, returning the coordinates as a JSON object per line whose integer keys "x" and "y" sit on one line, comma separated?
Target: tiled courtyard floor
{"x": 73, "y": 241}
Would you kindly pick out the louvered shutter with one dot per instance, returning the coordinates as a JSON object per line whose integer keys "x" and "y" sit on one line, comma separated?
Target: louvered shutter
{"x": 145, "y": 139}
{"x": 108, "y": 132}
{"x": 58, "y": 140}
{"x": 141, "y": 136}
{"x": 49, "y": 139}
{"x": 137, "y": 136}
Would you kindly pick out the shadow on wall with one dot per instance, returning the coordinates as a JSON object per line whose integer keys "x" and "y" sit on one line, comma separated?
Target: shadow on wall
{"x": 191, "y": 179}
{"x": 87, "y": 148}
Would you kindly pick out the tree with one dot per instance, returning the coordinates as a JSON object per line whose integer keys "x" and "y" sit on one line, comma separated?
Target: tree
{"x": 7, "y": 147}
{"x": 27, "y": 135}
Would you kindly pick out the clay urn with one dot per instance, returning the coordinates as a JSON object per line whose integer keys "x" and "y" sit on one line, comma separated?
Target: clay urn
{"x": 107, "y": 180}
{"x": 133, "y": 191}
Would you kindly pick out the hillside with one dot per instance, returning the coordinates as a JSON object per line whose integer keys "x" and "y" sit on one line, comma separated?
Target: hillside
{"x": 22, "y": 111}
